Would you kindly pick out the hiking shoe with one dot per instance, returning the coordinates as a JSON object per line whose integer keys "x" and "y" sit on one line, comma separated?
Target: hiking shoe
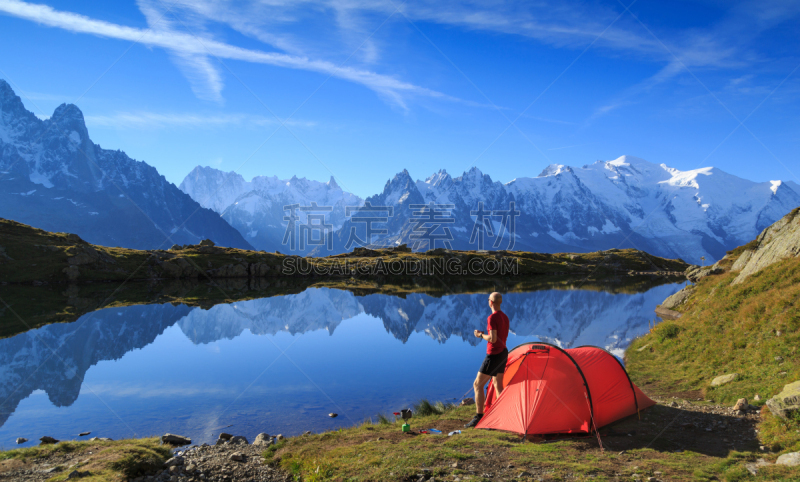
{"x": 477, "y": 418}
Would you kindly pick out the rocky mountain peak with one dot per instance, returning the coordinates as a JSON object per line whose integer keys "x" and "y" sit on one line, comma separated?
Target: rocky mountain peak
{"x": 333, "y": 184}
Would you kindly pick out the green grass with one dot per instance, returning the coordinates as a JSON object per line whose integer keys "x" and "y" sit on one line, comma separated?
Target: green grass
{"x": 105, "y": 461}
{"x": 726, "y": 329}
{"x": 381, "y": 452}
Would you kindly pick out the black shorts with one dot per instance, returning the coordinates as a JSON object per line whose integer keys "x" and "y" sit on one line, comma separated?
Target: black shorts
{"x": 494, "y": 364}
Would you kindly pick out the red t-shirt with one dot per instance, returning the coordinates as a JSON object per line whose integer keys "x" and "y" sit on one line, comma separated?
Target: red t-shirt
{"x": 497, "y": 321}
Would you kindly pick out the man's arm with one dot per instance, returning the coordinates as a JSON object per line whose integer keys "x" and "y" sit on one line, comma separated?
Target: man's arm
{"x": 491, "y": 337}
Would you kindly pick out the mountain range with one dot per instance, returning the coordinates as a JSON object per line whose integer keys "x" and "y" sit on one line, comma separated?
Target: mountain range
{"x": 628, "y": 202}
{"x": 53, "y": 177}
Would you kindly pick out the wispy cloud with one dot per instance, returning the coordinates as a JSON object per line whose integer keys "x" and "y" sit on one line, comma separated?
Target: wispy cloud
{"x": 192, "y": 51}
{"x": 151, "y": 120}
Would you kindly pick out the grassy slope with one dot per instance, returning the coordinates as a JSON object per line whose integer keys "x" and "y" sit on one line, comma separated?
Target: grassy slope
{"x": 105, "y": 461}
{"x": 379, "y": 452}
{"x": 28, "y": 254}
{"x": 730, "y": 329}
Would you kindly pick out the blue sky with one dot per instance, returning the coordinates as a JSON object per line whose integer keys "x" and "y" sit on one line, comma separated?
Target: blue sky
{"x": 360, "y": 90}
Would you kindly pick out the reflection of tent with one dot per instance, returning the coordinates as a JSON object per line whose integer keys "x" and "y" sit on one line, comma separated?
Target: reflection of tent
{"x": 551, "y": 390}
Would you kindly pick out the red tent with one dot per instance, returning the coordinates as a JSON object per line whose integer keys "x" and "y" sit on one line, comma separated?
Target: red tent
{"x": 551, "y": 390}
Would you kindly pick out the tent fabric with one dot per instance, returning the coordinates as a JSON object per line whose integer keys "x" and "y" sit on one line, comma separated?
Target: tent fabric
{"x": 547, "y": 389}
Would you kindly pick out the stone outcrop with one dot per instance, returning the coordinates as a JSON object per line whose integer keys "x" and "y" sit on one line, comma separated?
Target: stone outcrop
{"x": 173, "y": 439}
{"x": 785, "y": 403}
{"x": 723, "y": 379}
{"x": 776, "y": 243}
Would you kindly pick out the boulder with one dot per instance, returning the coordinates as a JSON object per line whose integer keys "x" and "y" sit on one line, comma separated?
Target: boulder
{"x": 678, "y": 298}
{"x": 779, "y": 241}
{"x": 239, "y": 439}
{"x": 791, "y": 459}
{"x": 723, "y": 379}
{"x": 207, "y": 242}
{"x": 262, "y": 439}
{"x": 280, "y": 437}
{"x": 467, "y": 401}
{"x": 667, "y": 314}
{"x": 48, "y": 440}
{"x": 174, "y": 462}
{"x": 236, "y": 456}
{"x": 741, "y": 404}
{"x": 333, "y": 415}
{"x": 21, "y": 440}
{"x": 225, "y": 436}
{"x": 787, "y": 402}
{"x": 173, "y": 439}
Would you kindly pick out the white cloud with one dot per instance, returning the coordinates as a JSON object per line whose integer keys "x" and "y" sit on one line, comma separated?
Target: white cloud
{"x": 150, "y": 120}
{"x": 192, "y": 50}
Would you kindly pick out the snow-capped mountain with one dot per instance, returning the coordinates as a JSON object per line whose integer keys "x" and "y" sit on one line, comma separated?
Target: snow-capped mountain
{"x": 624, "y": 203}
{"x": 52, "y": 176}
{"x": 255, "y": 208}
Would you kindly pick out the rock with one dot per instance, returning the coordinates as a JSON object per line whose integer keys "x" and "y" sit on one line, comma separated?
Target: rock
{"x": 756, "y": 397}
{"x": 100, "y": 439}
{"x": 239, "y": 439}
{"x": 678, "y": 298}
{"x": 307, "y": 432}
{"x": 21, "y": 440}
{"x": 787, "y": 402}
{"x": 236, "y": 456}
{"x": 207, "y": 242}
{"x": 754, "y": 466}
{"x": 455, "y": 465}
{"x": 262, "y": 439}
{"x": 48, "y": 440}
{"x": 467, "y": 401}
{"x": 643, "y": 348}
{"x": 225, "y": 436}
{"x": 722, "y": 380}
{"x": 779, "y": 241}
{"x": 191, "y": 468}
{"x": 173, "y": 439}
{"x": 791, "y": 459}
{"x": 174, "y": 470}
{"x": 174, "y": 461}
{"x": 83, "y": 434}
{"x": 741, "y": 404}
{"x": 221, "y": 441}
{"x": 280, "y": 437}
{"x": 333, "y": 415}
{"x": 77, "y": 475}
{"x": 72, "y": 272}
{"x": 778, "y": 359}
{"x": 667, "y": 314}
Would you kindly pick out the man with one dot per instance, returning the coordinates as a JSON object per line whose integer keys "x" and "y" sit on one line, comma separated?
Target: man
{"x": 494, "y": 365}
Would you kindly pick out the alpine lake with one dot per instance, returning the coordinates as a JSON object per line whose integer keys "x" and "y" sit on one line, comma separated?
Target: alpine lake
{"x": 200, "y": 359}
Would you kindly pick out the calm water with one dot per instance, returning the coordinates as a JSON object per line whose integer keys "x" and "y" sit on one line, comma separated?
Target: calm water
{"x": 279, "y": 364}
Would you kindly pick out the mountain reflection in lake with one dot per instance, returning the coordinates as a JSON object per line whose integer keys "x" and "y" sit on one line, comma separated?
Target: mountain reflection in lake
{"x": 279, "y": 364}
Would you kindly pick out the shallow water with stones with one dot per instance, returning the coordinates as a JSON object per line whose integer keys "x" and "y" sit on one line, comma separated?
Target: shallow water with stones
{"x": 281, "y": 364}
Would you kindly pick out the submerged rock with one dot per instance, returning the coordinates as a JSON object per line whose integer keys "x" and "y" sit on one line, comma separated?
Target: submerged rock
{"x": 21, "y": 440}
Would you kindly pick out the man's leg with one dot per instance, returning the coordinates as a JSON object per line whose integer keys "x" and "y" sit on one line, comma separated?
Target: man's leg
{"x": 480, "y": 395}
{"x": 497, "y": 381}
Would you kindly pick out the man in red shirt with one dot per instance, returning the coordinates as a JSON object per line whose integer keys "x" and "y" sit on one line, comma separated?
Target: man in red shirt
{"x": 494, "y": 365}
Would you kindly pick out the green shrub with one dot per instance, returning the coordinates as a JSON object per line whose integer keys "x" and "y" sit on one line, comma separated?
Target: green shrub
{"x": 665, "y": 331}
